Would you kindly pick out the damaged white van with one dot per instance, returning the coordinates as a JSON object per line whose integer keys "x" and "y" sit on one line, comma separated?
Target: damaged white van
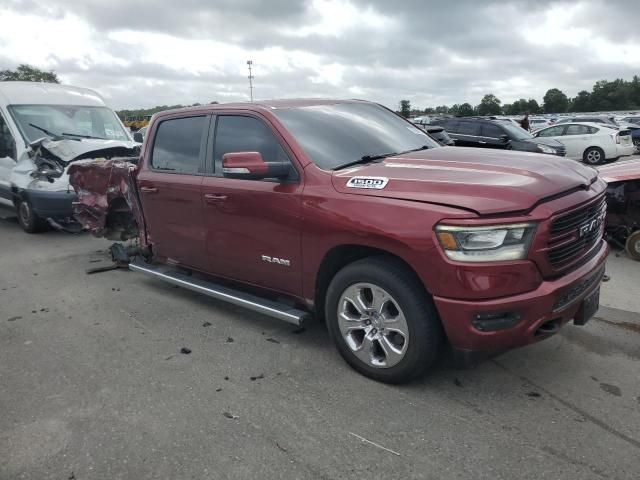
{"x": 43, "y": 128}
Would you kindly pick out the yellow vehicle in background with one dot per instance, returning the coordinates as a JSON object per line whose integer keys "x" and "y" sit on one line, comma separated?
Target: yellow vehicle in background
{"x": 135, "y": 123}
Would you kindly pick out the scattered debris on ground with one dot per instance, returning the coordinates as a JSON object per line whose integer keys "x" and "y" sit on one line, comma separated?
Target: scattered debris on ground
{"x": 374, "y": 444}
{"x": 230, "y": 415}
{"x": 13, "y": 319}
{"x": 281, "y": 447}
{"x": 206, "y": 324}
{"x": 611, "y": 389}
{"x": 272, "y": 340}
{"x": 229, "y": 340}
{"x": 257, "y": 377}
{"x": 185, "y": 350}
{"x": 533, "y": 394}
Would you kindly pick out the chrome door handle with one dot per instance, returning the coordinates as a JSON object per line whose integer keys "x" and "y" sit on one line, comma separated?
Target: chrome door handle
{"x": 214, "y": 197}
{"x": 482, "y": 142}
{"x": 148, "y": 189}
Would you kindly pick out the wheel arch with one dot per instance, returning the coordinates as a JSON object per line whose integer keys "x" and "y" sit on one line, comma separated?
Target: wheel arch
{"x": 339, "y": 257}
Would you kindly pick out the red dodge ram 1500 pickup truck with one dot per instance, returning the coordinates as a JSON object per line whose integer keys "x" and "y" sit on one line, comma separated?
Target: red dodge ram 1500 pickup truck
{"x": 347, "y": 211}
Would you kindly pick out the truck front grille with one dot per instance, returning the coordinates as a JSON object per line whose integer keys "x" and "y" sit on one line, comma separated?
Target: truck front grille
{"x": 575, "y": 234}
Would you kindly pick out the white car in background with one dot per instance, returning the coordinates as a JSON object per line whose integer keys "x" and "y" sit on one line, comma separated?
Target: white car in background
{"x": 592, "y": 143}
{"x": 536, "y": 124}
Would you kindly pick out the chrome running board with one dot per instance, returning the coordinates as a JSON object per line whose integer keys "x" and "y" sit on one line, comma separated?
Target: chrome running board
{"x": 226, "y": 294}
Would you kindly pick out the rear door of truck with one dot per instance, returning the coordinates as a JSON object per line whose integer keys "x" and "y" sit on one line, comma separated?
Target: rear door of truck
{"x": 169, "y": 185}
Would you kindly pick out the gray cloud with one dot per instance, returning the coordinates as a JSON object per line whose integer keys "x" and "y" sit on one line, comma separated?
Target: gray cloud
{"x": 431, "y": 52}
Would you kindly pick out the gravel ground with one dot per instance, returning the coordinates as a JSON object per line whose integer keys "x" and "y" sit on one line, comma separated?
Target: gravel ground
{"x": 93, "y": 385}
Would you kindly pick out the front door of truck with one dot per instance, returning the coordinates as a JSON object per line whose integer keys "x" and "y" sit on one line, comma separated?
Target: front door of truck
{"x": 170, "y": 190}
{"x": 253, "y": 227}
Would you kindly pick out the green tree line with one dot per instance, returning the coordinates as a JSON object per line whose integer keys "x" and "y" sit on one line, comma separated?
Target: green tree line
{"x": 605, "y": 96}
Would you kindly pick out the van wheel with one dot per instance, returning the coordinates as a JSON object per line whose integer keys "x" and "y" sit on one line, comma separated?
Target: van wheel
{"x": 27, "y": 219}
{"x": 593, "y": 156}
{"x": 633, "y": 245}
{"x": 382, "y": 320}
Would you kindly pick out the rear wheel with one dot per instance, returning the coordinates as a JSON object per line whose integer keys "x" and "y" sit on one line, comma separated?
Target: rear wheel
{"x": 633, "y": 245}
{"x": 27, "y": 218}
{"x": 382, "y": 321}
{"x": 593, "y": 156}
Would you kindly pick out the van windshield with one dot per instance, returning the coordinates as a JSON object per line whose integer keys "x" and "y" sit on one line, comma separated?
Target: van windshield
{"x": 67, "y": 120}
{"x": 338, "y": 134}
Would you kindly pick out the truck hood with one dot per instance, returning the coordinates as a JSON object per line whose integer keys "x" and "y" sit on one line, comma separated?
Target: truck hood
{"x": 485, "y": 181}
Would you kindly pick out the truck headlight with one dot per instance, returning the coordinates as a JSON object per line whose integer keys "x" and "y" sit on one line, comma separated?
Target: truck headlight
{"x": 493, "y": 243}
{"x": 546, "y": 149}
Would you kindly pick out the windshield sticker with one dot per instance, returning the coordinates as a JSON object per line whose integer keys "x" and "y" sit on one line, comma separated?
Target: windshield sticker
{"x": 376, "y": 183}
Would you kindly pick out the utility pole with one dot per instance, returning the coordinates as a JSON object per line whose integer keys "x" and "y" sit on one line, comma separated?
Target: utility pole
{"x": 249, "y": 63}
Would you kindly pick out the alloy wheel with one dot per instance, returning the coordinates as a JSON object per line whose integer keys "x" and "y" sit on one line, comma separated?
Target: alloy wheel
{"x": 373, "y": 325}
{"x": 593, "y": 157}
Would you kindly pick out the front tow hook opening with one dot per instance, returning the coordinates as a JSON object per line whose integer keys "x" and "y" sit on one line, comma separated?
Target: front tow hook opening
{"x": 548, "y": 328}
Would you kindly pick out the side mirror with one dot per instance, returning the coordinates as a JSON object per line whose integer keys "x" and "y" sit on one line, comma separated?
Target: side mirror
{"x": 138, "y": 137}
{"x": 251, "y": 166}
{"x": 504, "y": 138}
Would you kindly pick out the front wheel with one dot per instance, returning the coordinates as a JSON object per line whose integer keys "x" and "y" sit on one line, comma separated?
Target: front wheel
{"x": 593, "y": 156}
{"x": 382, "y": 320}
{"x": 27, "y": 218}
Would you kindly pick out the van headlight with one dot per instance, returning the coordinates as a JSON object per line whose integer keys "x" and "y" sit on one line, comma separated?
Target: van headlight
{"x": 493, "y": 243}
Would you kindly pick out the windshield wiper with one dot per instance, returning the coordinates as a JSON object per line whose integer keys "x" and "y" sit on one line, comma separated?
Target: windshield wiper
{"x": 83, "y": 136}
{"x": 54, "y": 136}
{"x": 370, "y": 158}
{"x": 423, "y": 147}
{"x": 365, "y": 159}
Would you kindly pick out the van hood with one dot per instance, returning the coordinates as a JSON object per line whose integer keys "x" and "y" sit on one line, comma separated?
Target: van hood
{"x": 43, "y": 166}
{"x": 67, "y": 150}
{"x": 484, "y": 181}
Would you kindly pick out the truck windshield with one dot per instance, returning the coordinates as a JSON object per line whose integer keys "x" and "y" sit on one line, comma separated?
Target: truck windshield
{"x": 70, "y": 120}
{"x": 337, "y": 134}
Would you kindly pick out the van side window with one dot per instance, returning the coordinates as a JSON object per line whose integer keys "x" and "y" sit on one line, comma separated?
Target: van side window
{"x": 468, "y": 128}
{"x": 177, "y": 145}
{"x": 491, "y": 131}
{"x": 235, "y": 133}
{"x": 7, "y": 143}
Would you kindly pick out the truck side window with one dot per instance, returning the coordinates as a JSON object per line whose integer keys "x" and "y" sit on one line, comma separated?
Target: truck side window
{"x": 177, "y": 145}
{"x": 235, "y": 133}
{"x": 7, "y": 143}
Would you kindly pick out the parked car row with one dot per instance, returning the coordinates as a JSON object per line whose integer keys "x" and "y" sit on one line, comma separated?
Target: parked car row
{"x": 502, "y": 134}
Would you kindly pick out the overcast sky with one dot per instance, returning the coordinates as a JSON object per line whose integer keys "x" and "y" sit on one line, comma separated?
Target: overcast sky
{"x": 141, "y": 53}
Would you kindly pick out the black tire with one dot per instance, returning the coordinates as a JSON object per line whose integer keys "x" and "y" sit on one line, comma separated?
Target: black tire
{"x": 27, "y": 219}
{"x": 425, "y": 334}
{"x": 633, "y": 245}
{"x": 593, "y": 156}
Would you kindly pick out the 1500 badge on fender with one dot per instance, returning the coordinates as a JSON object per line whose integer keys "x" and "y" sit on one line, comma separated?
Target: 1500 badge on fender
{"x": 377, "y": 183}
